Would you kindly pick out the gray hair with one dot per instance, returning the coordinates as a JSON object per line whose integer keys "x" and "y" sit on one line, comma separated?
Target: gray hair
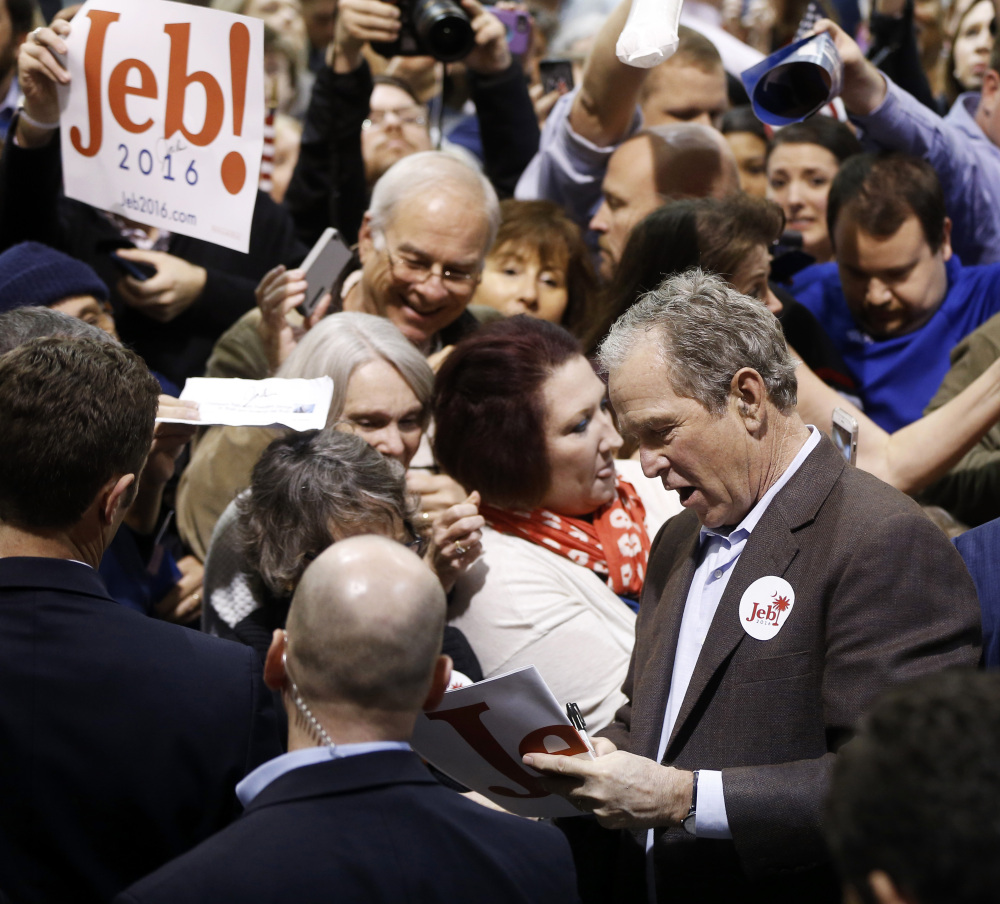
{"x": 309, "y": 489}
{"x": 341, "y": 343}
{"x": 428, "y": 173}
{"x": 708, "y": 332}
{"x": 21, "y": 324}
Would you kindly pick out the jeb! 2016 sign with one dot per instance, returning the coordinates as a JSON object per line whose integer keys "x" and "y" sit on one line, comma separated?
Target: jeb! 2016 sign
{"x": 163, "y": 121}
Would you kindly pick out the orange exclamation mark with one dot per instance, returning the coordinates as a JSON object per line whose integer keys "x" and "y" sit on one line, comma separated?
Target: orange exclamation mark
{"x": 234, "y": 168}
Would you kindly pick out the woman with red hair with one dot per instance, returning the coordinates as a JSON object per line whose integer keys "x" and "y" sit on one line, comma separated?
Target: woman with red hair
{"x": 522, "y": 418}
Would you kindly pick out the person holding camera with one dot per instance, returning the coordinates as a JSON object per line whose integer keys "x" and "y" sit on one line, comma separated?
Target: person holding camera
{"x": 357, "y": 126}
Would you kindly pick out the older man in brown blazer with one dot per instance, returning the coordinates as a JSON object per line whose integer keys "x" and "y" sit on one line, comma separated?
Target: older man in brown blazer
{"x": 793, "y": 590}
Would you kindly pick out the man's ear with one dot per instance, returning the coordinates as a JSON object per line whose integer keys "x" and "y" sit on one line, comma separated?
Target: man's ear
{"x": 366, "y": 241}
{"x": 274, "y": 662}
{"x": 439, "y": 682}
{"x": 946, "y": 239}
{"x": 117, "y": 496}
{"x": 748, "y": 393}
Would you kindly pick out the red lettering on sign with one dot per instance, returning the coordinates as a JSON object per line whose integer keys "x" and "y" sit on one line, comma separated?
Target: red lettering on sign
{"x": 118, "y": 90}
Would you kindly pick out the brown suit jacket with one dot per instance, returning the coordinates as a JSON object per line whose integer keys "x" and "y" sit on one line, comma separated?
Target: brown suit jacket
{"x": 881, "y": 596}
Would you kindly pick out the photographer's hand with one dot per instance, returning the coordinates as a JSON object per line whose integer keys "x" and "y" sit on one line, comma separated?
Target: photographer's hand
{"x": 359, "y": 21}
{"x": 491, "y": 54}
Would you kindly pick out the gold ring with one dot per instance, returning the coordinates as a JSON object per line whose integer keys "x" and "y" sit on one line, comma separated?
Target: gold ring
{"x": 460, "y": 549}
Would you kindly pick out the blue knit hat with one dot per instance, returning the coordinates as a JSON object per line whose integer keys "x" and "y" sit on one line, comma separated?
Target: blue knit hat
{"x": 35, "y": 275}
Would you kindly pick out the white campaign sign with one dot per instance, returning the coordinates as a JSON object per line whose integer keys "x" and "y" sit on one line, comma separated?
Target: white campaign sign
{"x": 479, "y": 733}
{"x": 765, "y": 606}
{"x": 163, "y": 121}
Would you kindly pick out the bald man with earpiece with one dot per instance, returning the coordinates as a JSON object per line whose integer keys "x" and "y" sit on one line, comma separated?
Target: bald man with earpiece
{"x": 350, "y": 812}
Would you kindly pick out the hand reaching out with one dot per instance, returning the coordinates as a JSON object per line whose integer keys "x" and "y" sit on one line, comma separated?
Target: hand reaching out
{"x": 455, "y": 540}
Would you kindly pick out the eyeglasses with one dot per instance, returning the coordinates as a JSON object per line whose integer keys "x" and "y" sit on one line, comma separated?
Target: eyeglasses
{"x": 416, "y": 272}
{"x": 407, "y": 116}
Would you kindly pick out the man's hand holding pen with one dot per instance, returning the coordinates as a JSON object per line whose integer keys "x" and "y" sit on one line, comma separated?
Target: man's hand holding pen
{"x": 622, "y": 790}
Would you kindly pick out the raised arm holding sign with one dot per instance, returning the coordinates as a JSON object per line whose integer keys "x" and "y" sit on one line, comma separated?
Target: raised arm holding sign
{"x": 138, "y": 157}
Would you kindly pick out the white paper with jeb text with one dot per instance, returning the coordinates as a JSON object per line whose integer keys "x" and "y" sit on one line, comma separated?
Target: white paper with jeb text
{"x": 275, "y": 402}
{"x": 479, "y": 733}
{"x": 163, "y": 120}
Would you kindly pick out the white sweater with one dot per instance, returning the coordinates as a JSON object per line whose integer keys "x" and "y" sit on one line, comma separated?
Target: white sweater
{"x": 521, "y": 604}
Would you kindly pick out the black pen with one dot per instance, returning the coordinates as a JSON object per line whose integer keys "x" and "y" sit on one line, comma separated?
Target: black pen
{"x": 580, "y": 724}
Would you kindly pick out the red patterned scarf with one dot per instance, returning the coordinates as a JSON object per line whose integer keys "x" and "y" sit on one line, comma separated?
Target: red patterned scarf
{"x": 614, "y": 544}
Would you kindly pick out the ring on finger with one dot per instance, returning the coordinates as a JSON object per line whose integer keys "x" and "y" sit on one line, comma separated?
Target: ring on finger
{"x": 34, "y": 35}
{"x": 460, "y": 549}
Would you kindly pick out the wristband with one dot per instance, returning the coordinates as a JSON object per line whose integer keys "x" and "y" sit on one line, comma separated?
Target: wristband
{"x": 31, "y": 121}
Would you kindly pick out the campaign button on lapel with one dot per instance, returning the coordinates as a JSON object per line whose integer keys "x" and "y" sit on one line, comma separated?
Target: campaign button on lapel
{"x": 765, "y": 606}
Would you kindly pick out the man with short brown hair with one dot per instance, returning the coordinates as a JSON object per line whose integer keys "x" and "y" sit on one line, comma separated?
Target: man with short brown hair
{"x": 689, "y": 87}
{"x": 124, "y": 736}
{"x": 897, "y": 300}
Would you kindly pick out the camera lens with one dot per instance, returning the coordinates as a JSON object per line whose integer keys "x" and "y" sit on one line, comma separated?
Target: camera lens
{"x": 444, "y": 29}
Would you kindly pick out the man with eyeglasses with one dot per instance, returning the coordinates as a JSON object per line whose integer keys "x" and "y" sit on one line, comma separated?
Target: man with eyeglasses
{"x": 396, "y": 126}
{"x": 418, "y": 261}
{"x": 422, "y": 244}
{"x": 357, "y": 127}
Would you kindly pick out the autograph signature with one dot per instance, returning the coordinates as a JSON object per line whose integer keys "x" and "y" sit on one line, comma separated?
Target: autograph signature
{"x": 164, "y": 150}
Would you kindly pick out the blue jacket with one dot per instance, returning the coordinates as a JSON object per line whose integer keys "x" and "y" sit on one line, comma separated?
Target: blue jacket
{"x": 980, "y": 548}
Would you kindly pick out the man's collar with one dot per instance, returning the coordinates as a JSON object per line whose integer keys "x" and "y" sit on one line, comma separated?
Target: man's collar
{"x": 749, "y": 522}
{"x": 248, "y": 789}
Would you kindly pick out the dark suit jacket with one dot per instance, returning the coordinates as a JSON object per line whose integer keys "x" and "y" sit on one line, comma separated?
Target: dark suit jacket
{"x": 980, "y": 548}
{"x": 371, "y": 828}
{"x": 880, "y": 597}
{"x": 121, "y": 738}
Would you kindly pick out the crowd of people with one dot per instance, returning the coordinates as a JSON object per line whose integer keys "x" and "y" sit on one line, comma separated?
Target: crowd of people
{"x": 591, "y": 351}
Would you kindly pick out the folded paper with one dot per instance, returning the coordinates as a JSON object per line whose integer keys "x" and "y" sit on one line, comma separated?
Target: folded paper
{"x": 792, "y": 84}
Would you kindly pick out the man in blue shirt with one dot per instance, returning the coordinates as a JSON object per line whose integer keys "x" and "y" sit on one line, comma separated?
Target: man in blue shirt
{"x": 897, "y": 299}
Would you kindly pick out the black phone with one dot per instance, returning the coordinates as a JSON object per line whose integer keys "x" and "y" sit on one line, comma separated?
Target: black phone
{"x": 324, "y": 267}
{"x": 556, "y": 74}
{"x": 135, "y": 269}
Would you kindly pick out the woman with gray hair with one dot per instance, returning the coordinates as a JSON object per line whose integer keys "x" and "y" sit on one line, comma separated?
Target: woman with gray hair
{"x": 308, "y": 490}
{"x": 382, "y": 390}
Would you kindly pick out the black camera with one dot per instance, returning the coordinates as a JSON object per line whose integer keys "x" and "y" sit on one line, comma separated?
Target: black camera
{"x": 437, "y": 28}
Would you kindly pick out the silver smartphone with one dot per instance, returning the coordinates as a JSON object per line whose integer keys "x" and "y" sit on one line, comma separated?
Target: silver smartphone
{"x": 324, "y": 267}
{"x": 845, "y": 434}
